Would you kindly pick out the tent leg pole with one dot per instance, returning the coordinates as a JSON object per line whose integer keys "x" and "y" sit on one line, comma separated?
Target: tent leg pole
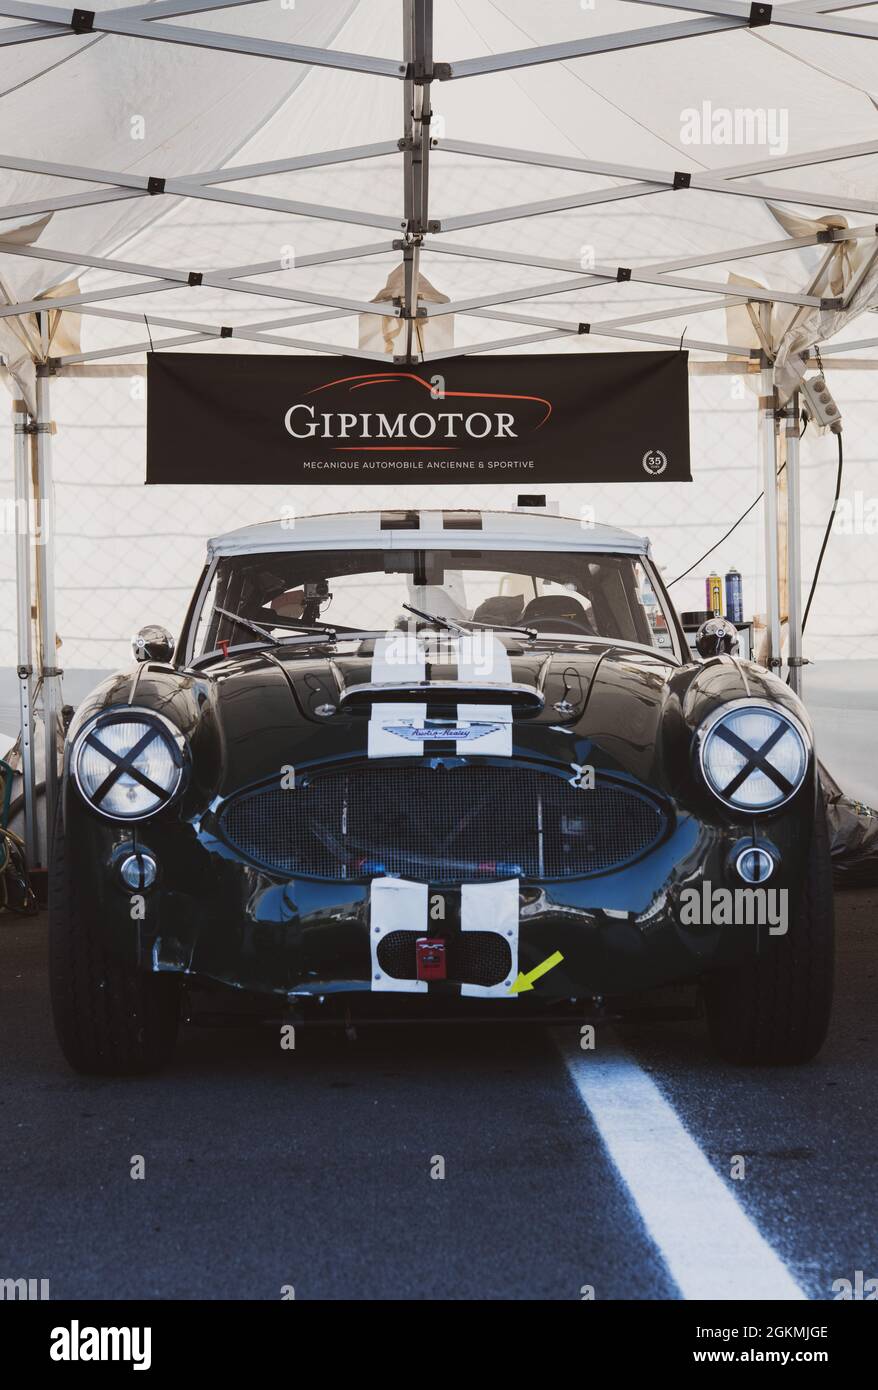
{"x": 768, "y": 442}
{"x": 50, "y": 672}
{"x": 417, "y": 23}
{"x": 25, "y": 637}
{"x": 794, "y": 546}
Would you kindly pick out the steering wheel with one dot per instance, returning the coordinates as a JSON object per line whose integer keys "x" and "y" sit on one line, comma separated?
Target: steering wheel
{"x": 558, "y": 613}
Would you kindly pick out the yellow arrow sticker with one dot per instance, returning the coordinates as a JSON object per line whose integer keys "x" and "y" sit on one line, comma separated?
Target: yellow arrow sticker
{"x": 525, "y": 982}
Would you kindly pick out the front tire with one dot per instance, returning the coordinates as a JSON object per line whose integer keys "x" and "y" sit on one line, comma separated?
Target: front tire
{"x": 110, "y": 1018}
{"x": 774, "y": 1011}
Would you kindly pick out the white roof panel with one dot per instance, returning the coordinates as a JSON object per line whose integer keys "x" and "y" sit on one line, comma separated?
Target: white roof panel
{"x": 519, "y": 530}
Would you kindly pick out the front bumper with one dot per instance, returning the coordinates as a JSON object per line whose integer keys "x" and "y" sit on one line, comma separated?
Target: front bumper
{"x": 216, "y": 917}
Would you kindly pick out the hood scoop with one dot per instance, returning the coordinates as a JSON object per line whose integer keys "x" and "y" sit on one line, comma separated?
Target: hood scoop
{"x": 440, "y": 673}
{"x": 521, "y": 699}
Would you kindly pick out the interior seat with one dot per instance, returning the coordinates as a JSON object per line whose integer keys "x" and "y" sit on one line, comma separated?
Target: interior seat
{"x": 558, "y": 613}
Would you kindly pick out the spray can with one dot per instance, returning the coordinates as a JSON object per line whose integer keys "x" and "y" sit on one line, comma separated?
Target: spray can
{"x": 714, "y": 591}
{"x": 734, "y": 596}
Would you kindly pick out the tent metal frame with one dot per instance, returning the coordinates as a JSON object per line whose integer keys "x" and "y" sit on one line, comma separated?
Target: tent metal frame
{"x": 416, "y": 233}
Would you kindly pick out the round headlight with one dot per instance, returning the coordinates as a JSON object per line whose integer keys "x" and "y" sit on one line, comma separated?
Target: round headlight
{"x": 128, "y": 763}
{"x": 754, "y": 757}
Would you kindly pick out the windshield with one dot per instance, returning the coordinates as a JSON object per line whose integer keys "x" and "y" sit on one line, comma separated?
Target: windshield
{"x": 569, "y": 594}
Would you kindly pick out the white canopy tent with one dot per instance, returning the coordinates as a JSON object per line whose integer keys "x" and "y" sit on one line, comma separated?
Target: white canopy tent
{"x": 578, "y": 177}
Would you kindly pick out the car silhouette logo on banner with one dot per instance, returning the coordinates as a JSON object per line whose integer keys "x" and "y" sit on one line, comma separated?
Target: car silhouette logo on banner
{"x": 422, "y": 732}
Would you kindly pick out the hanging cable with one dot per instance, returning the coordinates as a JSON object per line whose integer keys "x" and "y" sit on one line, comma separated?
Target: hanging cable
{"x": 805, "y": 418}
{"x": 828, "y": 530}
{"x": 732, "y": 528}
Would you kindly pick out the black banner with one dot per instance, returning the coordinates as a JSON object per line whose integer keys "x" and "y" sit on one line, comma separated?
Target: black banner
{"x": 572, "y": 418}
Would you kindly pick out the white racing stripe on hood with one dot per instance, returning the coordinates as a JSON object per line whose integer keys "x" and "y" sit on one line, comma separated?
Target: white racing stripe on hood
{"x": 398, "y": 657}
{"x": 401, "y": 656}
{"x": 482, "y": 657}
{"x": 395, "y": 904}
{"x": 492, "y": 907}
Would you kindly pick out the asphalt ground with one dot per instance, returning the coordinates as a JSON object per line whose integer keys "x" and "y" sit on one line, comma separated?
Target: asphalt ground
{"x": 563, "y": 1170}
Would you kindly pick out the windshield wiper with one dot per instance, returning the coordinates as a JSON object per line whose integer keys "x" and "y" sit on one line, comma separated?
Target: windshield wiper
{"x": 308, "y": 629}
{"x": 328, "y": 635}
{"x": 245, "y": 622}
{"x": 323, "y": 630}
{"x": 448, "y": 623}
{"x": 452, "y": 625}
{"x": 530, "y": 632}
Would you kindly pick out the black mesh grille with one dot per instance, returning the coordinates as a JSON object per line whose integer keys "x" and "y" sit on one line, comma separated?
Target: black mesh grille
{"x": 468, "y": 823}
{"x": 473, "y": 958}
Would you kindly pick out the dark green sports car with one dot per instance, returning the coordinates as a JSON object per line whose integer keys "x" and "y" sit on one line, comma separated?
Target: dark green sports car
{"x": 437, "y": 762}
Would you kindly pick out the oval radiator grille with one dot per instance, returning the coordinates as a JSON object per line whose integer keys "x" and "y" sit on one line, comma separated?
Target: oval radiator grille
{"x": 468, "y": 823}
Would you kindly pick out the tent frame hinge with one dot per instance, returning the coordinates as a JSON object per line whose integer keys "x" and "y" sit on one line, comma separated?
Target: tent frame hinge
{"x": 421, "y": 74}
{"x": 584, "y": 328}
{"x": 759, "y": 15}
{"x": 623, "y": 272}
{"x": 419, "y": 313}
{"x": 82, "y": 21}
{"x": 682, "y": 179}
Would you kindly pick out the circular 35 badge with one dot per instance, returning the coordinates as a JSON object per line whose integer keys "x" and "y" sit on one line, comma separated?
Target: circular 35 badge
{"x": 654, "y": 462}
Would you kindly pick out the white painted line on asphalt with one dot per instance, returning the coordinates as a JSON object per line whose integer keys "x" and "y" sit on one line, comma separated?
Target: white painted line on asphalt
{"x": 710, "y": 1246}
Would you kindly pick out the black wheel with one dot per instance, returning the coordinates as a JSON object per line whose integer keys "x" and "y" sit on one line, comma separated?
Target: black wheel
{"x": 775, "y": 1010}
{"x": 110, "y": 1018}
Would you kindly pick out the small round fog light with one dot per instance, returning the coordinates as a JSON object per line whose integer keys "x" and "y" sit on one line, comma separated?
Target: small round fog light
{"x": 138, "y": 871}
{"x": 755, "y": 865}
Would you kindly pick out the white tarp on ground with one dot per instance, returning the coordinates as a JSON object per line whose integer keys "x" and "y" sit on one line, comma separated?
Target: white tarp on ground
{"x": 126, "y": 554}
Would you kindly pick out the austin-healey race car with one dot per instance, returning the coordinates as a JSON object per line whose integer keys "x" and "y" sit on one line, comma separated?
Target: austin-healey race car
{"x": 438, "y": 763}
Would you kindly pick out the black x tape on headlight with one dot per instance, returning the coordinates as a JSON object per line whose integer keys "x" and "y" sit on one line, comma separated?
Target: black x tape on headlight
{"x": 129, "y": 763}
{"x": 753, "y": 757}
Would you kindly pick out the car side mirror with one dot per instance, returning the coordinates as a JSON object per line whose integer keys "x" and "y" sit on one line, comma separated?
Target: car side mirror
{"x": 717, "y": 637}
{"x": 152, "y": 643}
